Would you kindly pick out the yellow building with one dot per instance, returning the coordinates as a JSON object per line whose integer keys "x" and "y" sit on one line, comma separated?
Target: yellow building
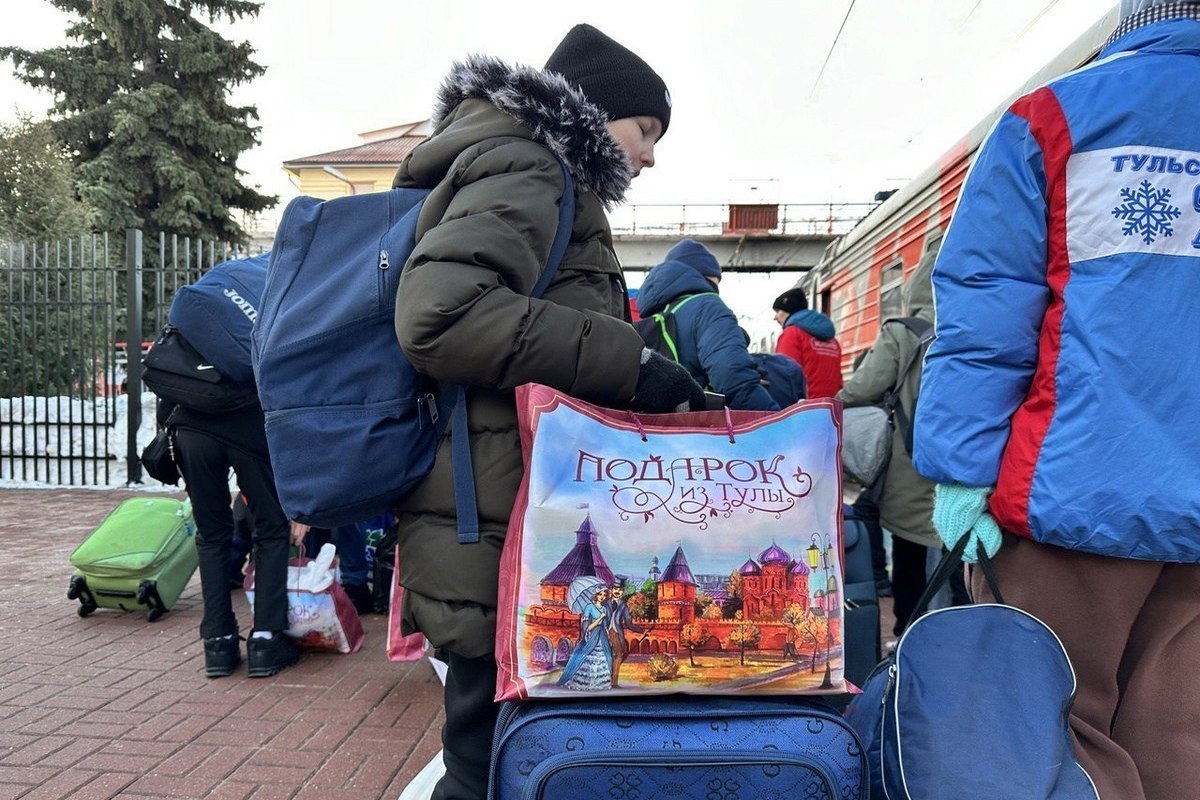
{"x": 368, "y": 167}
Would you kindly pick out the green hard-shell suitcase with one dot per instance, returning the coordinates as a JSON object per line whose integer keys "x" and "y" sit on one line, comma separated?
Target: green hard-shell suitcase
{"x": 139, "y": 559}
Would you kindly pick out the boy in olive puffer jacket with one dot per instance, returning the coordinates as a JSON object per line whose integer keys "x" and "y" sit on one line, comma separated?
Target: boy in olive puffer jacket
{"x": 465, "y": 316}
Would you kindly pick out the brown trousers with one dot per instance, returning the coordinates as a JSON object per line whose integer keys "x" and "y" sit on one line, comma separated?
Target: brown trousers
{"x": 616, "y": 641}
{"x": 1132, "y": 630}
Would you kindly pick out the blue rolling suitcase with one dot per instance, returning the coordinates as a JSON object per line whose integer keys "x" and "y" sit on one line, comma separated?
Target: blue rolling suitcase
{"x": 676, "y": 747}
{"x": 862, "y": 643}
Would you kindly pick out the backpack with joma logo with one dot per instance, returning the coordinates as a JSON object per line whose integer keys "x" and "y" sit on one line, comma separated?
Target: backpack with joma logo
{"x": 201, "y": 359}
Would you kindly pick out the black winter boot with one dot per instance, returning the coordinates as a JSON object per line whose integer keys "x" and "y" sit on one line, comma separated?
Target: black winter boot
{"x": 265, "y": 657}
{"x": 221, "y": 656}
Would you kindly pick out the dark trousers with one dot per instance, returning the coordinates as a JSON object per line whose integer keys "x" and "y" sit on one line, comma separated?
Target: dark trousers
{"x": 1132, "y": 630}
{"x": 243, "y": 537}
{"x": 908, "y": 579}
{"x": 470, "y": 725}
{"x": 204, "y": 462}
{"x": 867, "y": 509}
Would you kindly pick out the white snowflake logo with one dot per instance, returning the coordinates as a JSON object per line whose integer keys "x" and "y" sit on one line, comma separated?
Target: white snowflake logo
{"x": 1146, "y": 212}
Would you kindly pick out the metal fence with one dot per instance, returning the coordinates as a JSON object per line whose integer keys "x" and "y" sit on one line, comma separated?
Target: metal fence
{"x": 75, "y": 317}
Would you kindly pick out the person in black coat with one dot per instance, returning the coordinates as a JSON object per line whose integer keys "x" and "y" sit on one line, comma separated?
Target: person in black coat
{"x": 207, "y": 446}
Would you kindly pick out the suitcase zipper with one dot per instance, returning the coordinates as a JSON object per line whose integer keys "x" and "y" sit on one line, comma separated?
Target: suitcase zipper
{"x": 535, "y": 784}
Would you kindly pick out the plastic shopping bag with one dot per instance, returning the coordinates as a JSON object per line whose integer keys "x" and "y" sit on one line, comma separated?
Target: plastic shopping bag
{"x": 320, "y": 614}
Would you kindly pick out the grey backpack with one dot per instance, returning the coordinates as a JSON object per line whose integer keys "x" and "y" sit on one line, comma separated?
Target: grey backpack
{"x": 867, "y": 430}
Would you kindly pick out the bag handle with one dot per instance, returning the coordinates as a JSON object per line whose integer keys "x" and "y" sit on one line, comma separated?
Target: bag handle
{"x": 945, "y": 568}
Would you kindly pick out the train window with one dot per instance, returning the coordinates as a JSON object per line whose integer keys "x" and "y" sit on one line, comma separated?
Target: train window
{"x": 827, "y": 302}
{"x": 890, "y": 282}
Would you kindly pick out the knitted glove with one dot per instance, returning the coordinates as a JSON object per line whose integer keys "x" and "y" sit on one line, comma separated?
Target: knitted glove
{"x": 962, "y": 510}
{"x": 663, "y": 386}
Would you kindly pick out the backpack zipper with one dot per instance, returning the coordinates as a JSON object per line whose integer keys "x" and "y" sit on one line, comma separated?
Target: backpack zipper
{"x": 384, "y": 262}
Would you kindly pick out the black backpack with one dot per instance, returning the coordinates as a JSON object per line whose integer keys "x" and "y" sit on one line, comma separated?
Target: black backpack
{"x": 174, "y": 370}
{"x": 923, "y": 330}
{"x": 660, "y": 331}
{"x": 201, "y": 360}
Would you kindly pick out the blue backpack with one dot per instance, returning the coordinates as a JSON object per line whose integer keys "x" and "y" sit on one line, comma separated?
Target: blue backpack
{"x": 217, "y": 312}
{"x": 781, "y": 377}
{"x": 972, "y": 703}
{"x": 201, "y": 359}
{"x": 351, "y": 425}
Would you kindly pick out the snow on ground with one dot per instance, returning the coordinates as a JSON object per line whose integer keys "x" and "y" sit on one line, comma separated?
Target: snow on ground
{"x": 71, "y": 442}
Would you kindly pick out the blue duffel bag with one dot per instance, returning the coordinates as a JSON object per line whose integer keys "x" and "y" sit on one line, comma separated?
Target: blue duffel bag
{"x": 675, "y": 747}
{"x": 972, "y": 704}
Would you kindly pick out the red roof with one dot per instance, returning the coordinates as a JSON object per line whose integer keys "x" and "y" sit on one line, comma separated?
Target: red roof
{"x": 388, "y": 151}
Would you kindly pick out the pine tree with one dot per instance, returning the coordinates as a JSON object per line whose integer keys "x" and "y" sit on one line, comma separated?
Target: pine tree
{"x": 37, "y": 188}
{"x": 141, "y": 101}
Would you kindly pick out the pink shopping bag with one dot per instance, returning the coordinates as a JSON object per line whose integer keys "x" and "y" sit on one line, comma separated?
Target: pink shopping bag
{"x": 399, "y": 646}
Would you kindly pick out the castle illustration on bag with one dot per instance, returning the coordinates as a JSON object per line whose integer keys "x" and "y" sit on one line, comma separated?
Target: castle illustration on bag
{"x": 763, "y": 620}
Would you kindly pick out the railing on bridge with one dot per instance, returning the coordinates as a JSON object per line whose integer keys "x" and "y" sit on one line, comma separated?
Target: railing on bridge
{"x": 718, "y": 219}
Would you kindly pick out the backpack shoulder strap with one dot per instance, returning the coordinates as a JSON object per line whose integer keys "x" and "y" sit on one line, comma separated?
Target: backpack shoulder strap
{"x": 924, "y": 331}
{"x": 466, "y": 507}
{"x": 921, "y": 328}
{"x": 562, "y": 235}
{"x": 675, "y": 308}
{"x": 662, "y": 316}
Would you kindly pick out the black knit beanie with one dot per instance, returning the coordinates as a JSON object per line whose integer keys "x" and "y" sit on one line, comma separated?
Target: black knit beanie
{"x": 791, "y": 301}
{"x": 610, "y": 75}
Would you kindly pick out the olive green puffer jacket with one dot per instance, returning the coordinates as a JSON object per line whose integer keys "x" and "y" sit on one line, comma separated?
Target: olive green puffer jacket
{"x": 464, "y": 314}
{"x": 906, "y": 504}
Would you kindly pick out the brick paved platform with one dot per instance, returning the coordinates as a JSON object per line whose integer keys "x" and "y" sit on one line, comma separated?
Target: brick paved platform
{"x": 113, "y": 706}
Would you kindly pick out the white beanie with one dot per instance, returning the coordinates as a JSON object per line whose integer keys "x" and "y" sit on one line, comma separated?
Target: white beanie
{"x": 1129, "y": 7}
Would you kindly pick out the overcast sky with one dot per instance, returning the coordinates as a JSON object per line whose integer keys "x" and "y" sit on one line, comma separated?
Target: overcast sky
{"x": 906, "y": 80}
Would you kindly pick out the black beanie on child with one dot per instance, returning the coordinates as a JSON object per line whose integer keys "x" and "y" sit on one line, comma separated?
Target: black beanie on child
{"x": 610, "y": 75}
{"x": 791, "y": 301}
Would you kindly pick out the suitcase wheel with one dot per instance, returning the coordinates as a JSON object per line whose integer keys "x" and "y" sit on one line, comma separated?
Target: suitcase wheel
{"x": 86, "y": 610}
{"x": 74, "y": 590}
{"x": 147, "y": 595}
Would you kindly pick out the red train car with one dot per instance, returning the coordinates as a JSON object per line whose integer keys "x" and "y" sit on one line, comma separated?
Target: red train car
{"x": 857, "y": 282}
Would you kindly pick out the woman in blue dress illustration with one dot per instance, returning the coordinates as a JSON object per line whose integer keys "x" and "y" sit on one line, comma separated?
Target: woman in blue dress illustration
{"x": 590, "y": 666}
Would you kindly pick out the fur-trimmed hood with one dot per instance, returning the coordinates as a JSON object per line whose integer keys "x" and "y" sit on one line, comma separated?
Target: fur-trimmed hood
{"x": 557, "y": 114}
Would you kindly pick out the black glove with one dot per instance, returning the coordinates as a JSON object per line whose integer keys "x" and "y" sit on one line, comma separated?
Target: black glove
{"x": 663, "y": 387}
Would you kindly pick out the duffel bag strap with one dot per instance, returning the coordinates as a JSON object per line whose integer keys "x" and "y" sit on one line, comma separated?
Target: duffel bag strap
{"x": 946, "y": 567}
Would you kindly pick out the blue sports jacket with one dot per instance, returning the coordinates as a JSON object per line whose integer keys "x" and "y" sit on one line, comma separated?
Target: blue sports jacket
{"x": 1066, "y": 369}
{"x": 710, "y": 345}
